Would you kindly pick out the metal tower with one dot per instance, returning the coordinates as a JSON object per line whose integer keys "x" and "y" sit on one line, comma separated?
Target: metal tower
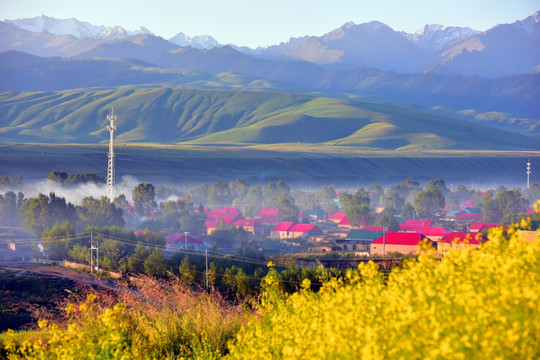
{"x": 528, "y": 171}
{"x": 110, "y": 167}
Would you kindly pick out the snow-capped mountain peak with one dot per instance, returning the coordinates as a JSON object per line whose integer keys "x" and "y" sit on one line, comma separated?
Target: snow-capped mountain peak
{"x": 435, "y": 37}
{"x": 198, "y": 42}
{"x": 70, "y": 26}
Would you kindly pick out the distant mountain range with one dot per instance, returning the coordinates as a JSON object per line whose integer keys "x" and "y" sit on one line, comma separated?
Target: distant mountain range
{"x": 362, "y": 85}
{"x": 503, "y": 50}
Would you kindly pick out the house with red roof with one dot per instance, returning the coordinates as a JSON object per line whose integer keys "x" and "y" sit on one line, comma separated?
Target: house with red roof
{"x": 460, "y": 240}
{"x": 304, "y": 231}
{"x": 250, "y": 225}
{"x": 344, "y": 222}
{"x": 281, "y": 230}
{"x": 336, "y": 217}
{"x": 434, "y": 233}
{"x": 468, "y": 218}
{"x": 399, "y": 242}
{"x": 180, "y": 241}
{"x": 269, "y": 216}
{"x": 226, "y": 215}
{"x": 414, "y": 225}
{"x": 481, "y": 226}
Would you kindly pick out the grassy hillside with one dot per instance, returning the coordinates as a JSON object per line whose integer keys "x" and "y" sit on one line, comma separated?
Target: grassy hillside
{"x": 167, "y": 115}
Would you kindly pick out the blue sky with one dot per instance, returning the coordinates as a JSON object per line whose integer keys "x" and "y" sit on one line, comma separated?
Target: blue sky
{"x": 258, "y": 23}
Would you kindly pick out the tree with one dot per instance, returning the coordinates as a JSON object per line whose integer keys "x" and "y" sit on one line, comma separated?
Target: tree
{"x": 287, "y": 207}
{"x": 429, "y": 204}
{"x": 219, "y": 195}
{"x": 375, "y": 193}
{"x": 253, "y": 201}
{"x": 437, "y": 184}
{"x": 135, "y": 262}
{"x": 387, "y": 220}
{"x": 57, "y": 176}
{"x": 407, "y": 212}
{"x": 327, "y": 198}
{"x": 188, "y": 272}
{"x": 58, "y": 240}
{"x": 154, "y": 264}
{"x": 144, "y": 199}
{"x": 44, "y": 211}
{"x": 239, "y": 188}
{"x": 510, "y": 202}
{"x": 355, "y": 206}
{"x": 99, "y": 212}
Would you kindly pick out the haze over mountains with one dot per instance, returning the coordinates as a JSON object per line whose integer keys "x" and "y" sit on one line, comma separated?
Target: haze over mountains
{"x": 486, "y": 84}
{"x": 503, "y": 50}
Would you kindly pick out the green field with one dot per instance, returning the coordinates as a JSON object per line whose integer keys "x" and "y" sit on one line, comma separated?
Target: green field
{"x": 298, "y": 164}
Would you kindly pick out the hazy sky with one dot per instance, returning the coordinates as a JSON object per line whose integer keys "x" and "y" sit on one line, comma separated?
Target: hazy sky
{"x": 258, "y": 23}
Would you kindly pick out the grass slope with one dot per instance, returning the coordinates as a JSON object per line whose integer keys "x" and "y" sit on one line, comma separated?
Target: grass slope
{"x": 167, "y": 115}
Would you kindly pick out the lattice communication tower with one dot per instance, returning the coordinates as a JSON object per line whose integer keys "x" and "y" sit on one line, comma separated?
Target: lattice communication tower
{"x": 110, "y": 167}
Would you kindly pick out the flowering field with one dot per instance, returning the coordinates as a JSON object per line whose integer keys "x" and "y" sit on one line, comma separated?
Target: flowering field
{"x": 472, "y": 304}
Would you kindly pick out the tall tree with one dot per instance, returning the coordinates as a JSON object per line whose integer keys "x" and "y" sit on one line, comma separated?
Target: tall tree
{"x": 99, "y": 212}
{"x": 44, "y": 211}
{"x": 355, "y": 206}
{"x": 429, "y": 204}
{"x": 144, "y": 199}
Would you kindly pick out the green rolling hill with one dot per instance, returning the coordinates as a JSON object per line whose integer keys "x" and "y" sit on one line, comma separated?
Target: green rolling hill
{"x": 174, "y": 115}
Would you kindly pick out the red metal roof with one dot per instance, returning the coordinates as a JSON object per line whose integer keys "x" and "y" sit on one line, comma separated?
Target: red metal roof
{"x": 460, "y": 237}
{"x": 414, "y": 225}
{"x": 482, "y": 225}
{"x": 269, "y": 216}
{"x": 468, "y": 216}
{"x": 306, "y": 228}
{"x": 432, "y": 231}
{"x": 344, "y": 221}
{"x": 337, "y": 216}
{"x": 180, "y": 238}
{"x": 283, "y": 226}
{"x": 400, "y": 238}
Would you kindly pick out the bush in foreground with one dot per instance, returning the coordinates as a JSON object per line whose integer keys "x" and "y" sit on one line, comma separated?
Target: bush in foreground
{"x": 159, "y": 320}
{"x": 471, "y": 304}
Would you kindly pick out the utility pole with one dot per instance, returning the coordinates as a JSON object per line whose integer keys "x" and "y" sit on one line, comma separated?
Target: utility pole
{"x": 384, "y": 243}
{"x": 110, "y": 168}
{"x": 185, "y": 239}
{"x": 528, "y": 171}
{"x": 92, "y": 248}
{"x": 206, "y": 253}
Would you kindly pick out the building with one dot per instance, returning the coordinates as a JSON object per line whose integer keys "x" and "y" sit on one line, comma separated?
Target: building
{"x": 359, "y": 240}
{"x": 180, "y": 241}
{"x": 226, "y": 215}
{"x": 414, "y": 225}
{"x": 281, "y": 230}
{"x": 304, "y": 231}
{"x": 399, "y": 242}
{"x": 269, "y": 216}
{"x": 250, "y": 225}
{"x": 434, "y": 233}
{"x": 336, "y": 217}
{"x": 481, "y": 226}
{"x": 460, "y": 240}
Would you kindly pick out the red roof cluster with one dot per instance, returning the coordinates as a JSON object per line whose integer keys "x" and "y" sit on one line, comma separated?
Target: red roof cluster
{"x": 228, "y": 215}
{"x": 464, "y": 237}
{"x": 469, "y": 216}
{"x": 401, "y": 238}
